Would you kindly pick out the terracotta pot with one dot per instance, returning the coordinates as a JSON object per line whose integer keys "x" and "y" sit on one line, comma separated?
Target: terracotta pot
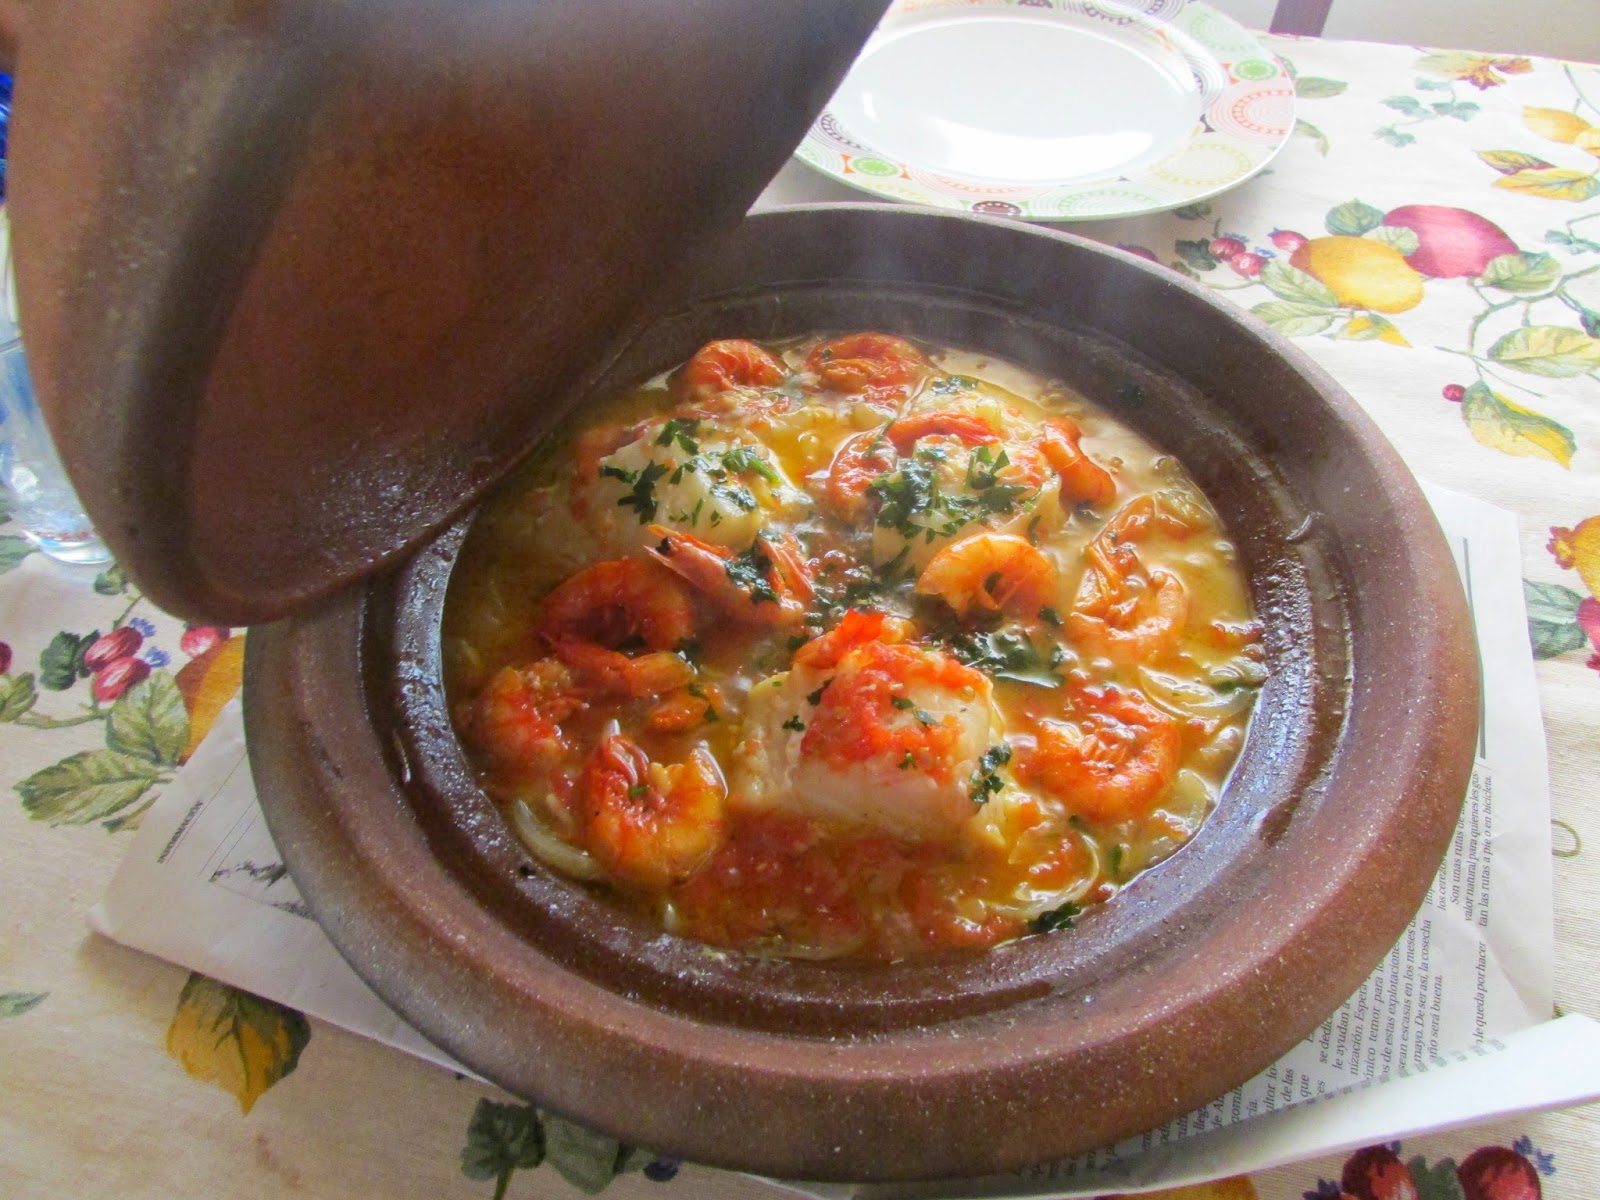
{"x": 1201, "y": 973}
{"x": 297, "y": 276}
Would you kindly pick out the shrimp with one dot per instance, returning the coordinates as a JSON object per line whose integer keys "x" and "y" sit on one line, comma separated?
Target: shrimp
{"x": 1123, "y": 611}
{"x": 649, "y": 823}
{"x": 1082, "y": 479}
{"x": 1113, "y": 763}
{"x": 516, "y": 718}
{"x": 687, "y": 708}
{"x": 767, "y": 584}
{"x": 882, "y": 370}
{"x": 972, "y": 430}
{"x": 722, "y": 366}
{"x": 860, "y": 459}
{"x": 864, "y": 457}
{"x": 987, "y": 573}
{"x": 593, "y": 615}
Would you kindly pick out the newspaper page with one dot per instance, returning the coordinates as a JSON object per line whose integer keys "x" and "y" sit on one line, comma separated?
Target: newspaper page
{"x": 1455, "y": 1013}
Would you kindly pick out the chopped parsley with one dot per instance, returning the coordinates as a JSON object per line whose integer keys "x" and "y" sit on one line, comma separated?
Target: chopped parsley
{"x": 743, "y": 460}
{"x": 1008, "y": 653}
{"x": 681, "y": 430}
{"x": 641, "y": 496}
{"x": 1049, "y": 616}
{"x": 795, "y": 723}
{"x": 638, "y": 791}
{"x": 1057, "y": 918}
{"x": 911, "y": 502}
{"x": 985, "y": 781}
{"x": 950, "y": 384}
{"x": 815, "y": 698}
{"x": 908, "y": 761}
{"x": 748, "y": 570}
{"x": 736, "y": 494}
{"x": 901, "y": 702}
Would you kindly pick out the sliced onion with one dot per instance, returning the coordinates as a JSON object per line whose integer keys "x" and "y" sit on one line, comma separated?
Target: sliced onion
{"x": 550, "y": 849}
{"x": 1186, "y": 698}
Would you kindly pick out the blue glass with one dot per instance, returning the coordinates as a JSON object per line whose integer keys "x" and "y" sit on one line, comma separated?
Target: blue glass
{"x": 42, "y": 500}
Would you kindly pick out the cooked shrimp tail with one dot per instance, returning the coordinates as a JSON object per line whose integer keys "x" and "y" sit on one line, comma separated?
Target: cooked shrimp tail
{"x": 594, "y": 618}
{"x": 986, "y": 573}
{"x": 650, "y": 823}
{"x": 1082, "y": 479}
{"x": 766, "y": 584}
{"x": 1113, "y": 762}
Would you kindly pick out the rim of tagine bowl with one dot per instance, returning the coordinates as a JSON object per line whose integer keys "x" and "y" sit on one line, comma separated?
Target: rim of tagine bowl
{"x": 1199, "y": 974}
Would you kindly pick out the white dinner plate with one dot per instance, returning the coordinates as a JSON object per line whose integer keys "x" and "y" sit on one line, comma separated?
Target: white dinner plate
{"x": 1054, "y": 110}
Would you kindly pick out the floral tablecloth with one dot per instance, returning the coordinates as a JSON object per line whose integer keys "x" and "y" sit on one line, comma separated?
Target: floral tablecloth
{"x": 1431, "y": 234}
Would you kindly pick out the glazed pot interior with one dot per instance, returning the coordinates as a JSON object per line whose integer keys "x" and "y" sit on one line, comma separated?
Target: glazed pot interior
{"x": 1294, "y": 585}
{"x": 1198, "y": 974}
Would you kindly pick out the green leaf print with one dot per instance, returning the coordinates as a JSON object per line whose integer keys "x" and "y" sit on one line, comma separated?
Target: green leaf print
{"x": 1505, "y": 425}
{"x": 242, "y": 1042}
{"x": 1315, "y": 87}
{"x": 1197, "y": 253}
{"x": 1394, "y": 136}
{"x": 1509, "y": 162}
{"x": 149, "y": 721}
{"x": 88, "y": 786}
{"x": 1291, "y": 283}
{"x": 1461, "y": 110}
{"x": 61, "y": 662}
{"x": 1307, "y": 130}
{"x": 1409, "y": 105}
{"x": 1553, "y": 627}
{"x": 587, "y": 1160}
{"x": 1353, "y": 218}
{"x": 1294, "y": 319}
{"x": 501, "y": 1139}
{"x": 113, "y": 581}
{"x": 1402, "y": 239}
{"x": 17, "y": 696}
{"x": 1553, "y": 183}
{"x": 1438, "y": 1182}
{"x": 14, "y": 1004}
{"x": 1553, "y": 351}
{"x": 1521, "y": 272}
{"x": 13, "y": 550}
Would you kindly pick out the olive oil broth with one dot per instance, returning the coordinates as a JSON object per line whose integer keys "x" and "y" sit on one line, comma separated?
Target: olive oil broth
{"x": 851, "y": 646}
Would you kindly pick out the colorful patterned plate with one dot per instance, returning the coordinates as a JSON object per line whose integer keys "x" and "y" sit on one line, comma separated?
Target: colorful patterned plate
{"x": 1054, "y": 110}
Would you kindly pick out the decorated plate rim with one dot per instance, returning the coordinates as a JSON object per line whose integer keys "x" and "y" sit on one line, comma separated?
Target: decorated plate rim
{"x": 1242, "y": 151}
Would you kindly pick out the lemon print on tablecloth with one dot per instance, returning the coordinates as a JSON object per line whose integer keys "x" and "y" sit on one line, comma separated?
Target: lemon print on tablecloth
{"x": 1362, "y": 272}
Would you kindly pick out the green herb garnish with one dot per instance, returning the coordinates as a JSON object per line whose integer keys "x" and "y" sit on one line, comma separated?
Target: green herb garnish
{"x": 744, "y": 460}
{"x": 1057, "y": 918}
{"x": 985, "y": 781}
{"x": 795, "y": 723}
{"x": 681, "y": 430}
{"x": 748, "y": 570}
{"x": 642, "y": 495}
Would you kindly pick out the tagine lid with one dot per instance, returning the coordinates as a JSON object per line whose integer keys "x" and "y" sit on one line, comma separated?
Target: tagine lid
{"x": 300, "y": 287}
